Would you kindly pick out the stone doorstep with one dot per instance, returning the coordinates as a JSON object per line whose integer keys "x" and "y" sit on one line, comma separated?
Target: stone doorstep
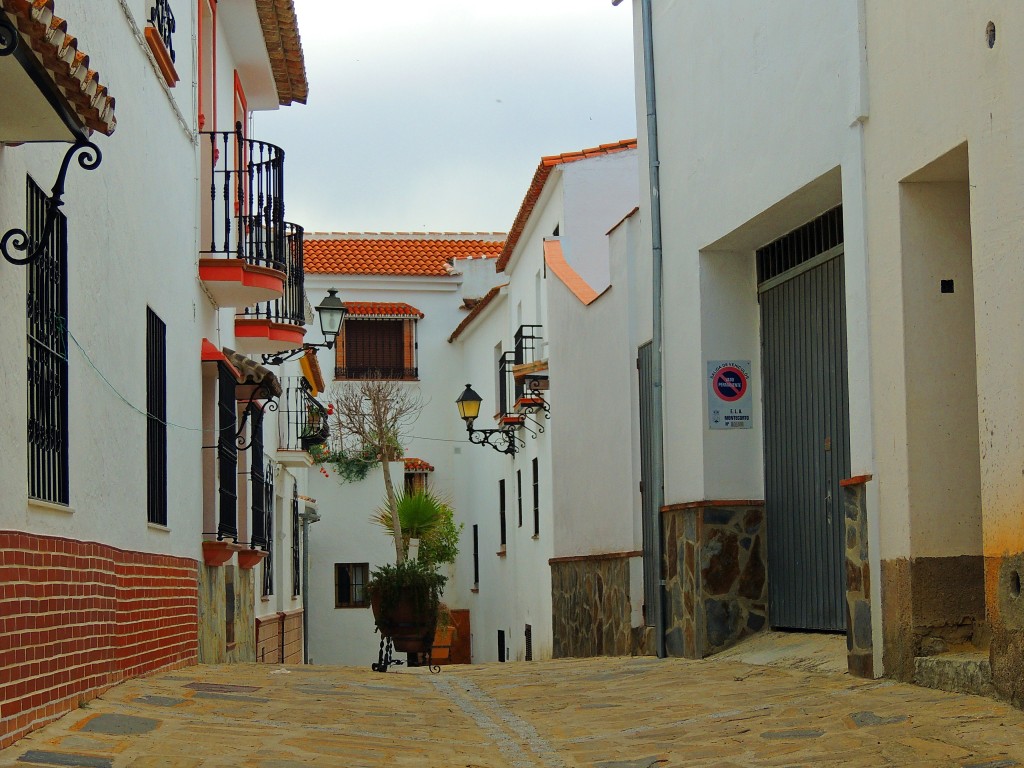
{"x": 957, "y": 672}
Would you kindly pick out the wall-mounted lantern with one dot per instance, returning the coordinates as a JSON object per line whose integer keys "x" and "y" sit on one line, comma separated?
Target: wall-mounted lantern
{"x": 332, "y": 312}
{"x": 502, "y": 440}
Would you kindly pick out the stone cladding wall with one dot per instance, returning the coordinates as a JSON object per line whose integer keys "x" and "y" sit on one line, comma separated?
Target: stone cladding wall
{"x": 859, "y": 644}
{"x": 214, "y": 645}
{"x": 716, "y": 575}
{"x": 590, "y": 606}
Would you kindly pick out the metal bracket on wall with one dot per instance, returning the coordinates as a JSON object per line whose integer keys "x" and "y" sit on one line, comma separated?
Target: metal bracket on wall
{"x": 18, "y": 239}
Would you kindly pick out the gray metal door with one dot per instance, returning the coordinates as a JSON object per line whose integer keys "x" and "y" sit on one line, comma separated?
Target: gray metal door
{"x": 652, "y": 571}
{"x": 806, "y": 437}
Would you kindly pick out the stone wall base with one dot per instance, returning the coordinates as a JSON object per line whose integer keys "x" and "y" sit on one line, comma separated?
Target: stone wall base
{"x": 227, "y": 625}
{"x": 590, "y": 606}
{"x": 279, "y": 638}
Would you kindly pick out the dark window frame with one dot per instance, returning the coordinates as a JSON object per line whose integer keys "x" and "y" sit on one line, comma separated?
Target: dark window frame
{"x": 476, "y": 557}
{"x": 519, "y": 494}
{"x": 357, "y": 575}
{"x": 501, "y": 513}
{"x": 268, "y": 561}
{"x": 296, "y": 553}
{"x": 156, "y": 419}
{"x": 536, "y": 497}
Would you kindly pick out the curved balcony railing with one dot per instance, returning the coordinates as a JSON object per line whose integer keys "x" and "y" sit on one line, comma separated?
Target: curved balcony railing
{"x": 244, "y": 217}
{"x": 303, "y": 420}
{"x": 291, "y": 307}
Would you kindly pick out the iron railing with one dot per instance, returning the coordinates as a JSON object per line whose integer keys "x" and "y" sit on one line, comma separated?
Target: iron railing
{"x": 291, "y": 307}
{"x": 374, "y": 372}
{"x": 257, "y": 481}
{"x": 268, "y": 526}
{"x": 245, "y": 215}
{"x": 227, "y": 456}
{"x": 302, "y": 420}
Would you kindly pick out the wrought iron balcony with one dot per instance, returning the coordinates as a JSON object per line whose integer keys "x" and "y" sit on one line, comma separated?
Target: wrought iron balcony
{"x": 243, "y": 255}
{"x": 302, "y": 420}
{"x": 279, "y": 324}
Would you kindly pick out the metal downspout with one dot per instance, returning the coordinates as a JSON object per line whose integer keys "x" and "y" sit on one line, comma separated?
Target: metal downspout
{"x": 308, "y": 517}
{"x": 657, "y": 365}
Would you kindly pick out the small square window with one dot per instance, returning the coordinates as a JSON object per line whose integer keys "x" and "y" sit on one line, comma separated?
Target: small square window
{"x": 350, "y": 585}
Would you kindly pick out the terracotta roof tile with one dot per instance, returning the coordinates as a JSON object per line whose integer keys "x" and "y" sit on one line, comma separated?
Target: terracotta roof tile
{"x": 417, "y": 465}
{"x": 556, "y": 262}
{"x": 69, "y": 67}
{"x": 540, "y": 178}
{"x": 395, "y": 253}
{"x": 479, "y": 307}
{"x": 281, "y": 33}
{"x": 381, "y": 309}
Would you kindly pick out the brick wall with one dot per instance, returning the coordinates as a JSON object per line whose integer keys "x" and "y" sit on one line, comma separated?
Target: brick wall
{"x": 79, "y": 617}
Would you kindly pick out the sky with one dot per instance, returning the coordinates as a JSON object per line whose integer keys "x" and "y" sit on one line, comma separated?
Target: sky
{"x": 432, "y": 115}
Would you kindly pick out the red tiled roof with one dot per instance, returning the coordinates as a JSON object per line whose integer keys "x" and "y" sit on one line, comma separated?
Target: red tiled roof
{"x": 381, "y": 309}
{"x": 69, "y": 67}
{"x": 281, "y": 34}
{"x": 395, "y": 253}
{"x": 479, "y": 307}
{"x": 418, "y": 465}
{"x": 540, "y": 178}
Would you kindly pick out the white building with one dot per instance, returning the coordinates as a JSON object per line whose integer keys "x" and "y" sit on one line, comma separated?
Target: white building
{"x": 838, "y": 201}
{"x": 543, "y": 511}
{"x": 404, "y": 293}
{"x": 117, "y": 494}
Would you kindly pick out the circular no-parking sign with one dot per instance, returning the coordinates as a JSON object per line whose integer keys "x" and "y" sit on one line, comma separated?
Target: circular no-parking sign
{"x": 729, "y": 383}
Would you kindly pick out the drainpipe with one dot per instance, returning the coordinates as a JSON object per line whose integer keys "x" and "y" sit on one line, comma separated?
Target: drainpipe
{"x": 307, "y": 518}
{"x": 657, "y": 367}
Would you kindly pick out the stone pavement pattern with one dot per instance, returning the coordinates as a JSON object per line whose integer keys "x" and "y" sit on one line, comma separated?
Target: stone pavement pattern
{"x": 610, "y": 713}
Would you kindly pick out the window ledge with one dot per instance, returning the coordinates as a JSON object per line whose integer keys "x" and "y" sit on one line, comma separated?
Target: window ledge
{"x": 475, "y": 590}
{"x": 49, "y": 506}
{"x": 265, "y": 599}
{"x": 536, "y": 537}
{"x": 158, "y": 527}
{"x": 501, "y": 553}
{"x": 348, "y": 607}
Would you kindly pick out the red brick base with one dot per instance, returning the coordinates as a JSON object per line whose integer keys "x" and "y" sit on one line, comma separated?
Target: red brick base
{"x": 77, "y": 618}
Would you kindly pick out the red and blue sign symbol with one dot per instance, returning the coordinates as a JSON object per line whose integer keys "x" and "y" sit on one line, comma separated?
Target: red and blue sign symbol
{"x": 729, "y": 383}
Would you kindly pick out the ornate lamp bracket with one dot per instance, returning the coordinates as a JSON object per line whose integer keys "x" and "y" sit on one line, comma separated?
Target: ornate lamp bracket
{"x": 18, "y": 239}
{"x": 262, "y": 392}
{"x": 503, "y": 440}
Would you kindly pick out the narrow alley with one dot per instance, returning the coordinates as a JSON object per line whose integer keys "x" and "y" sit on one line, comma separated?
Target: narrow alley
{"x": 606, "y": 712}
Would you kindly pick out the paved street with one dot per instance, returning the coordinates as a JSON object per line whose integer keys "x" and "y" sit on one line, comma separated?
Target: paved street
{"x": 614, "y": 713}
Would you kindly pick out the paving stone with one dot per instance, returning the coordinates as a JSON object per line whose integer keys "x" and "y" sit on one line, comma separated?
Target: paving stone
{"x": 160, "y": 701}
{"x": 64, "y": 758}
{"x": 796, "y": 733}
{"x": 222, "y": 688}
{"x": 231, "y": 697}
{"x": 862, "y": 719}
{"x": 119, "y": 725}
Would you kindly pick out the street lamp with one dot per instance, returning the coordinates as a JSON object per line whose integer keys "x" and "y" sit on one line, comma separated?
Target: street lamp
{"x": 502, "y": 440}
{"x": 332, "y": 313}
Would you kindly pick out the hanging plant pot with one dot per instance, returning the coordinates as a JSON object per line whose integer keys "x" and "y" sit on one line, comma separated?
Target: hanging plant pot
{"x": 410, "y": 626}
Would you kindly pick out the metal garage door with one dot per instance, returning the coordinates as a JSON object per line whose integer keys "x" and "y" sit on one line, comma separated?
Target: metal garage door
{"x": 806, "y": 423}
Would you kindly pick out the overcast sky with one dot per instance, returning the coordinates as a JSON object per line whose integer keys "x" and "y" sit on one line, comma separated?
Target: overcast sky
{"x": 433, "y": 114}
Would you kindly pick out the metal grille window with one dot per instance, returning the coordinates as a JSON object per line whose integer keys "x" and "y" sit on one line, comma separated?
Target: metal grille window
{"x": 529, "y": 642}
{"x": 350, "y": 585}
{"x": 536, "y": 498}
{"x": 476, "y": 556}
{"x": 296, "y": 558}
{"x": 156, "y": 419}
{"x": 501, "y": 645}
{"x": 47, "y": 311}
{"x": 519, "y": 495}
{"x": 268, "y": 508}
{"x": 501, "y": 511}
{"x": 377, "y": 349}
{"x": 257, "y": 480}
{"x": 227, "y": 455}
{"x": 800, "y": 246}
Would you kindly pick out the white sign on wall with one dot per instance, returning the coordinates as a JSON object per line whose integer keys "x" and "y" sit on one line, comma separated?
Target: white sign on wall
{"x": 729, "y": 394}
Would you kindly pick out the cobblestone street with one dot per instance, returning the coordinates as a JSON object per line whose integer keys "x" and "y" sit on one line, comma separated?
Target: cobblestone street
{"x": 613, "y": 713}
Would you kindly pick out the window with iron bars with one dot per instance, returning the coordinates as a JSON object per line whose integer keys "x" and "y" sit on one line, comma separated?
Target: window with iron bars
{"x": 156, "y": 419}
{"x": 525, "y": 351}
{"x": 268, "y": 561}
{"x": 376, "y": 349}
{"x": 47, "y": 311}
{"x": 296, "y": 554}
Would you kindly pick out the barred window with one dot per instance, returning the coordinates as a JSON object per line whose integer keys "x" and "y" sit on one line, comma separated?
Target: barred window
{"x": 350, "y": 585}
{"x": 156, "y": 419}
{"x": 47, "y": 307}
